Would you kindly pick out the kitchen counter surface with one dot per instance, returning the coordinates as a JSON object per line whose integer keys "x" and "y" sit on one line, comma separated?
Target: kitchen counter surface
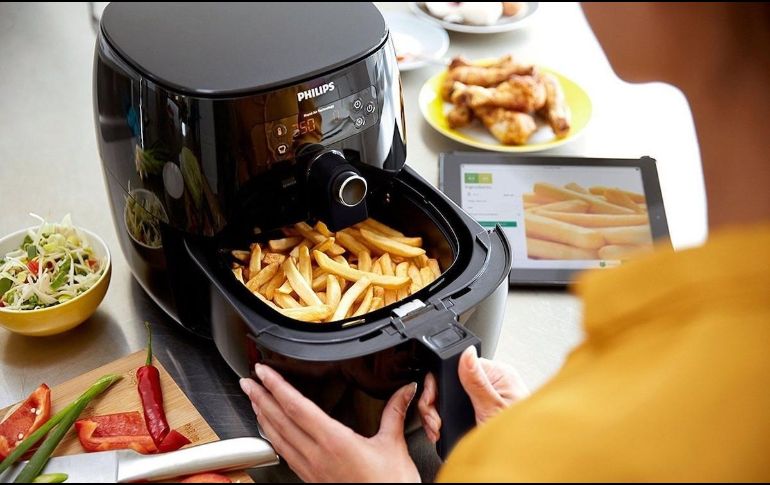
{"x": 49, "y": 165}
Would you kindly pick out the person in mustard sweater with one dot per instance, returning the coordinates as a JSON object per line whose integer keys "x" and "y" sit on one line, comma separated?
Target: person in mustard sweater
{"x": 671, "y": 382}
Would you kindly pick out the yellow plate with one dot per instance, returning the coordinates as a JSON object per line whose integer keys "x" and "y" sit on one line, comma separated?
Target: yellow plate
{"x": 434, "y": 109}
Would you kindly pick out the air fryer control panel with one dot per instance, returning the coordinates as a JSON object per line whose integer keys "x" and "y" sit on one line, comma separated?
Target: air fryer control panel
{"x": 324, "y": 120}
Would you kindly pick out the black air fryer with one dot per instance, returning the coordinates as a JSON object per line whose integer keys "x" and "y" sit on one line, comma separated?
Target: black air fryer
{"x": 218, "y": 124}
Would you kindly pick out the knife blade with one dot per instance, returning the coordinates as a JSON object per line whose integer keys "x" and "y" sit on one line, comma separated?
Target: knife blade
{"x": 126, "y": 466}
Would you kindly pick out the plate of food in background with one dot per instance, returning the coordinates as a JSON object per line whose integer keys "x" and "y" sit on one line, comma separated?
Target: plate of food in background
{"x": 417, "y": 42}
{"x": 477, "y": 17}
{"x": 504, "y": 105}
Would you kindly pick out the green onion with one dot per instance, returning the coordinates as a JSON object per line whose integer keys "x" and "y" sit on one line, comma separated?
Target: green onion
{"x": 61, "y": 275}
{"x": 51, "y": 478}
{"x": 5, "y": 285}
{"x": 97, "y": 388}
{"x": 31, "y": 251}
{"x": 27, "y": 240}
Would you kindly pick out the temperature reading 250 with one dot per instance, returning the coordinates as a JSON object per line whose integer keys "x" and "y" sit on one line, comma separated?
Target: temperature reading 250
{"x": 304, "y": 127}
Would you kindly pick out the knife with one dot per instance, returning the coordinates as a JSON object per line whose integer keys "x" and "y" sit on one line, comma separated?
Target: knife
{"x": 129, "y": 466}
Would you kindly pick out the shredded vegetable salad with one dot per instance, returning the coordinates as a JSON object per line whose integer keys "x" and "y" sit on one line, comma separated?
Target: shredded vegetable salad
{"x": 54, "y": 264}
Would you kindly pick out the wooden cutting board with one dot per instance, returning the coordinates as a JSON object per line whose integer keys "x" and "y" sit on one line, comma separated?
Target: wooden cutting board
{"x": 123, "y": 397}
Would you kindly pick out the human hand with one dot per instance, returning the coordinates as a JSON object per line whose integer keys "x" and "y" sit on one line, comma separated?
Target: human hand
{"x": 492, "y": 387}
{"x": 321, "y": 449}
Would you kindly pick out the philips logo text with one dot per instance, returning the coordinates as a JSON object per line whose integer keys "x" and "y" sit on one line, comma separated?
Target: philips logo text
{"x": 312, "y": 93}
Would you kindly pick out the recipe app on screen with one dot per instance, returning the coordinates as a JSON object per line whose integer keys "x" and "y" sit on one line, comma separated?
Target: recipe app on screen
{"x": 561, "y": 216}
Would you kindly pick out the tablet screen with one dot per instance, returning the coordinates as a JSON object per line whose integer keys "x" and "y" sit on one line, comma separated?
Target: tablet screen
{"x": 561, "y": 217}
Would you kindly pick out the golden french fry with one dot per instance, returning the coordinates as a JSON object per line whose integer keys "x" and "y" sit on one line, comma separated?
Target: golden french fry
{"x": 389, "y": 245}
{"x": 597, "y": 205}
{"x": 298, "y": 283}
{"x": 377, "y": 267}
{"x": 530, "y": 205}
{"x": 636, "y": 197}
{"x": 333, "y": 292}
{"x": 267, "y": 302}
{"x": 317, "y": 271}
{"x": 414, "y": 273}
{"x": 576, "y": 187}
{"x": 421, "y": 261}
{"x": 627, "y": 235}
{"x": 382, "y": 228}
{"x": 262, "y": 277}
{"x": 435, "y": 268}
{"x": 540, "y": 249}
{"x": 268, "y": 289}
{"x": 319, "y": 282}
{"x": 307, "y": 243}
{"x": 323, "y": 229}
{"x": 389, "y": 282}
{"x": 285, "y": 288}
{"x": 308, "y": 313}
{"x": 377, "y": 303}
{"x": 402, "y": 270}
{"x": 540, "y": 227}
{"x": 238, "y": 272}
{"x": 309, "y": 233}
{"x": 623, "y": 252}
{"x": 286, "y": 301}
{"x": 284, "y": 244}
{"x": 573, "y": 206}
{"x": 255, "y": 260}
{"x": 537, "y": 199}
{"x": 353, "y": 265}
{"x": 341, "y": 260}
{"x": 322, "y": 296}
{"x": 409, "y": 241}
{"x": 365, "y": 261}
{"x": 350, "y": 296}
{"x": 427, "y": 276}
{"x": 618, "y": 197}
{"x": 366, "y": 303}
{"x": 324, "y": 246}
{"x": 379, "y": 292}
{"x": 597, "y": 220}
{"x": 304, "y": 265}
{"x": 336, "y": 250}
{"x": 270, "y": 258}
{"x": 387, "y": 265}
{"x": 347, "y": 241}
{"x": 242, "y": 256}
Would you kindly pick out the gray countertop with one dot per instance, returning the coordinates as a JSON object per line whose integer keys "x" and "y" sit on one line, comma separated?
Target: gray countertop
{"x": 49, "y": 165}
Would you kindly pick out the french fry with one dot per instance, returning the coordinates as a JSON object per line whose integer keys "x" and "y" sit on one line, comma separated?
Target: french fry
{"x": 308, "y": 313}
{"x": 342, "y": 261}
{"x": 276, "y": 281}
{"x": 600, "y": 190}
{"x": 388, "y": 282}
{"x": 285, "y": 288}
{"x": 597, "y": 220}
{"x": 286, "y": 301}
{"x": 540, "y": 249}
{"x": 618, "y": 197}
{"x": 317, "y": 271}
{"x": 349, "y": 242}
{"x": 366, "y": 303}
{"x": 309, "y": 233}
{"x": 377, "y": 303}
{"x": 336, "y": 250}
{"x": 622, "y": 252}
{"x": 270, "y": 258}
{"x": 381, "y": 228}
{"x": 402, "y": 271}
{"x": 242, "y": 256}
{"x": 298, "y": 283}
{"x": 322, "y": 296}
{"x": 324, "y": 246}
{"x": 379, "y": 292}
{"x": 255, "y": 260}
{"x": 387, "y": 265}
{"x": 576, "y": 187}
{"x": 427, "y": 276}
{"x": 435, "y": 268}
{"x": 530, "y": 205}
{"x": 572, "y": 206}
{"x": 268, "y": 302}
{"x": 262, "y": 277}
{"x": 414, "y": 273}
{"x": 377, "y": 267}
{"x": 323, "y": 229}
{"x": 537, "y": 199}
{"x": 304, "y": 265}
{"x": 409, "y": 241}
{"x": 284, "y": 244}
{"x": 540, "y": 227}
{"x": 389, "y": 245}
{"x": 333, "y": 292}
{"x": 365, "y": 261}
{"x": 295, "y": 252}
{"x": 421, "y": 261}
{"x": 350, "y": 296}
{"x": 627, "y": 235}
{"x": 238, "y": 272}
{"x": 319, "y": 282}
{"x": 597, "y": 205}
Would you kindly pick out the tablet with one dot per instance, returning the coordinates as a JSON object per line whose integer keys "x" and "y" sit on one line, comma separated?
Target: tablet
{"x": 561, "y": 215}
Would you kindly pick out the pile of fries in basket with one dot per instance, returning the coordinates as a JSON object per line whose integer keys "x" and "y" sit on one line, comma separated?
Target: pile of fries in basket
{"x": 315, "y": 275}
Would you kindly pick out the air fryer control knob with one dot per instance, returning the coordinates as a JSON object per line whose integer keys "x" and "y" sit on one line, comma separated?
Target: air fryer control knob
{"x": 336, "y": 190}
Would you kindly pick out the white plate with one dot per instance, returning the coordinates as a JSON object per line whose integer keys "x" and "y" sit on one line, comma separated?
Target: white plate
{"x": 505, "y": 24}
{"x": 421, "y": 41}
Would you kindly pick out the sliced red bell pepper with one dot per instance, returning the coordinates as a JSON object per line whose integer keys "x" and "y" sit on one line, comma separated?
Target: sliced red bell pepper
{"x": 33, "y": 266}
{"x": 207, "y": 478}
{"x": 115, "y": 432}
{"x": 31, "y": 415}
{"x": 173, "y": 441}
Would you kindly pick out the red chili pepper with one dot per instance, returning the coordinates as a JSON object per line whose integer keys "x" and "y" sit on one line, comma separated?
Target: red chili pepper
{"x": 151, "y": 395}
{"x": 115, "y": 432}
{"x": 31, "y": 415}
{"x": 173, "y": 441}
{"x": 33, "y": 266}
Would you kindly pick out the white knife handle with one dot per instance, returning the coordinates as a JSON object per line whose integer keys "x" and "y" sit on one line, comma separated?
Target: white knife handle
{"x": 225, "y": 455}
